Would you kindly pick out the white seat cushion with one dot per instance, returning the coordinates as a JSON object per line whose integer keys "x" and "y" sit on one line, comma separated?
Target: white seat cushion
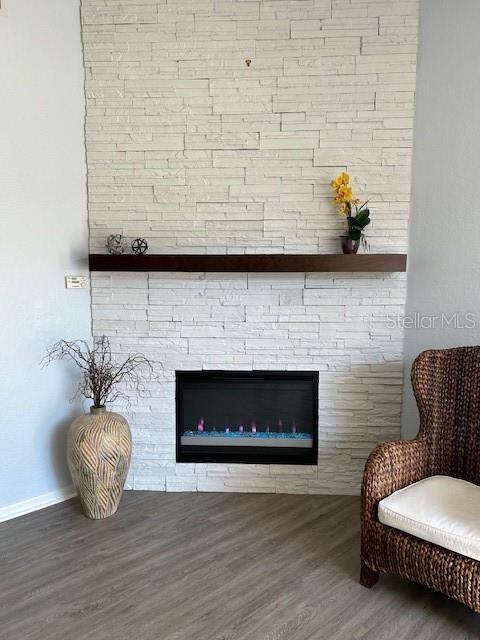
{"x": 440, "y": 509}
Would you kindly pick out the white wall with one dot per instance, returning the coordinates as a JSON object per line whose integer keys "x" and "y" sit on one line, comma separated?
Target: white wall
{"x": 443, "y": 272}
{"x": 43, "y": 236}
{"x": 197, "y": 152}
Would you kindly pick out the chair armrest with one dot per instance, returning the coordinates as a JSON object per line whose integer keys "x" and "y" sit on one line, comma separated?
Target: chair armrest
{"x": 392, "y": 466}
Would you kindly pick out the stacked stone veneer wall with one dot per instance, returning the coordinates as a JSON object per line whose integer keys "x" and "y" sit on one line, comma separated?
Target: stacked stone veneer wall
{"x": 198, "y": 152}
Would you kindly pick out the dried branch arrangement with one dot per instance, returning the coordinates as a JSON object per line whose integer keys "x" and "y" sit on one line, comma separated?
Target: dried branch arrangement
{"x": 101, "y": 373}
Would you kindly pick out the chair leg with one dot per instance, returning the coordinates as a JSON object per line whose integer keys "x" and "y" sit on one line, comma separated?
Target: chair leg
{"x": 368, "y": 577}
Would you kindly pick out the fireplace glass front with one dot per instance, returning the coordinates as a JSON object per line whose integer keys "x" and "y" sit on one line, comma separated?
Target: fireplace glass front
{"x": 247, "y": 416}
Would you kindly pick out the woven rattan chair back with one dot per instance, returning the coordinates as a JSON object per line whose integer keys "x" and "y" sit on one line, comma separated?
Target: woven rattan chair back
{"x": 446, "y": 384}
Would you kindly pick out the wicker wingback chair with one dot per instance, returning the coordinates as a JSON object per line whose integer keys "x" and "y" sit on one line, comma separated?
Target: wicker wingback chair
{"x": 446, "y": 384}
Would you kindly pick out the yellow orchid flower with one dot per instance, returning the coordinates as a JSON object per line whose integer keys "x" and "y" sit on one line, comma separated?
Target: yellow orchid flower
{"x": 341, "y": 180}
{"x": 344, "y": 198}
{"x": 344, "y": 194}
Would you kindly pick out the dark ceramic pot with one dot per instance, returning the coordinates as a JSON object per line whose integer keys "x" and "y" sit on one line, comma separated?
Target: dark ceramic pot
{"x": 349, "y": 245}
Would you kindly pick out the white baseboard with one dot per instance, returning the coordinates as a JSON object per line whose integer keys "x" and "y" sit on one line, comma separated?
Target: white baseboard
{"x": 34, "y": 504}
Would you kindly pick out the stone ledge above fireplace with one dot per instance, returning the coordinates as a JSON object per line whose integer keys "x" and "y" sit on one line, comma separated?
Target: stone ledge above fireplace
{"x": 275, "y": 263}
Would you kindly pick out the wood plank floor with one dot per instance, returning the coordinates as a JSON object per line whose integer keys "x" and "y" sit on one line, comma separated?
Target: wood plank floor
{"x": 208, "y": 567}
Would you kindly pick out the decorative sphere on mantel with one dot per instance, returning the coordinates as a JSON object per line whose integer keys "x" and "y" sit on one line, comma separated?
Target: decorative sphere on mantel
{"x": 139, "y": 246}
{"x": 116, "y": 244}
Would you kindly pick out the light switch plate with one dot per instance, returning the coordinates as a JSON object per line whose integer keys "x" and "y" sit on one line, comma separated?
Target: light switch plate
{"x": 76, "y": 282}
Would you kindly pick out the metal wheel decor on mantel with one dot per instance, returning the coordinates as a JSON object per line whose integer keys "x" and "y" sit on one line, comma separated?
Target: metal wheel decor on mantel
{"x": 99, "y": 451}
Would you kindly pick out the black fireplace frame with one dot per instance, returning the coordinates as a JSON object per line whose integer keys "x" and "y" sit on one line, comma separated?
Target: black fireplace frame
{"x": 239, "y": 454}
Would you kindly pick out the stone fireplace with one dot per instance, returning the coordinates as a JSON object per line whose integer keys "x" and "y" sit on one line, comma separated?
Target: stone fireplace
{"x": 337, "y": 325}
{"x": 199, "y": 153}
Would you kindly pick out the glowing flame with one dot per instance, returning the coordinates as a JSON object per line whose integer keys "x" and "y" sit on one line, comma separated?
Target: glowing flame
{"x": 254, "y": 428}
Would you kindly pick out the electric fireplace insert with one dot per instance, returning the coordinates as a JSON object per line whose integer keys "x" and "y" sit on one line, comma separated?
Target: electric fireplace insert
{"x": 247, "y": 416}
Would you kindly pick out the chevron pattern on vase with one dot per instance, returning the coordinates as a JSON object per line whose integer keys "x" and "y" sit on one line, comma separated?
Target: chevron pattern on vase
{"x": 99, "y": 451}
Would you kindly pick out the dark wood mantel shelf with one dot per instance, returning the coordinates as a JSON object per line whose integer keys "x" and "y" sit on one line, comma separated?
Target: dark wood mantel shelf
{"x": 373, "y": 262}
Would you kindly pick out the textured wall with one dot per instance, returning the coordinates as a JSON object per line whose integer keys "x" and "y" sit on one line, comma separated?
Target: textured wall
{"x": 193, "y": 149}
{"x": 334, "y": 324}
